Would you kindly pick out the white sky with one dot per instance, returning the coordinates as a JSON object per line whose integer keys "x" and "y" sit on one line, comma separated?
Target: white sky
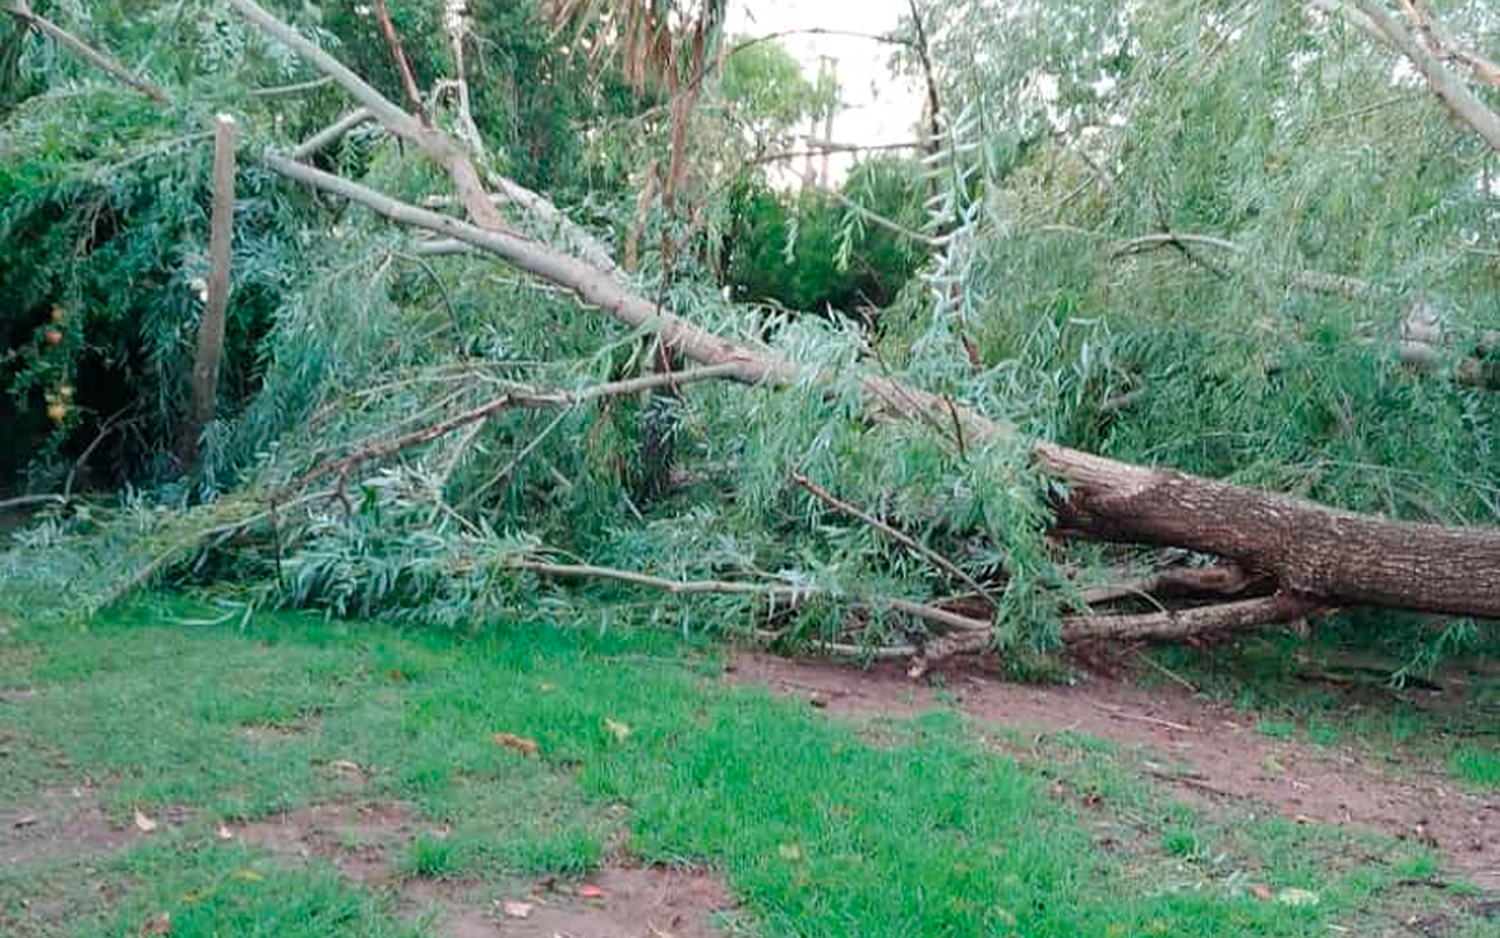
{"x": 878, "y": 107}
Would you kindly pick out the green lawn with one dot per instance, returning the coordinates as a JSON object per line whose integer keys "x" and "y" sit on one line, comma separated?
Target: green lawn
{"x": 820, "y": 827}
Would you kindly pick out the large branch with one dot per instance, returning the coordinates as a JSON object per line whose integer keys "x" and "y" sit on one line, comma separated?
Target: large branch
{"x": 1343, "y": 558}
{"x": 440, "y": 148}
{"x": 1374, "y": 18}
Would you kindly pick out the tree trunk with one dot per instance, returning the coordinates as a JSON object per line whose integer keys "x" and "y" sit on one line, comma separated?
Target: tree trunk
{"x": 205, "y": 382}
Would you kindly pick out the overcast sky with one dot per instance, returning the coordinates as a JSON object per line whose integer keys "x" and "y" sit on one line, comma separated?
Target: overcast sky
{"x": 878, "y": 108}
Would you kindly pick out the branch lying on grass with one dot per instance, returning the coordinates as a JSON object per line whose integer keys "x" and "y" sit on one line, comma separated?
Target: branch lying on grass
{"x": 771, "y": 592}
{"x": 895, "y": 534}
{"x": 22, "y": 11}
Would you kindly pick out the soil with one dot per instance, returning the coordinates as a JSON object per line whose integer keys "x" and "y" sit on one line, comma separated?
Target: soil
{"x": 1227, "y": 756}
{"x": 618, "y": 901}
{"x": 63, "y": 824}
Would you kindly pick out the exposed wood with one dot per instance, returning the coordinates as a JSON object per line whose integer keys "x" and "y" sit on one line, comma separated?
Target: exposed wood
{"x": 1222, "y": 580}
{"x": 22, "y": 11}
{"x": 1344, "y": 558}
{"x": 211, "y": 329}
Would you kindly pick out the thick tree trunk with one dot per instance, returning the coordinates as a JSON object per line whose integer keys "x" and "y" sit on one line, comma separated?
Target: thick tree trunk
{"x": 1311, "y": 549}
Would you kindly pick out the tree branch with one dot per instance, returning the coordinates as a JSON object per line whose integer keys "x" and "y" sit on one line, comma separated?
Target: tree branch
{"x": 403, "y": 64}
{"x": 211, "y": 329}
{"x": 516, "y": 397}
{"x": 331, "y": 134}
{"x": 895, "y": 534}
{"x": 100, "y": 60}
{"x": 1459, "y": 99}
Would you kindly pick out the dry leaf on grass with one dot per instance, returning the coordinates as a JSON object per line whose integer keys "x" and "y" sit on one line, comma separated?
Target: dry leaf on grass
{"x": 224, "y": 833}
{"x": 526, "y": 747}
{"x": 346, "y": 767}
{"x": 620, "y": 731}
{"x": 144, "y": 824}
{"x": 517, "y": 909}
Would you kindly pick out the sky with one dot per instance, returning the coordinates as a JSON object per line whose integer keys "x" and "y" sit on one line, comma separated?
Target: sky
{"x": 878, "y": 107}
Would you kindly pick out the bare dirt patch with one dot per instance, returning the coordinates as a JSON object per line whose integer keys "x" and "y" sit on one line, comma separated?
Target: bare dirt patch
{"x": 1228, "y": 757}
{"x": 64, "y": 823}
{"x": 362, "y": 841}
{"x": 359, "y": 839}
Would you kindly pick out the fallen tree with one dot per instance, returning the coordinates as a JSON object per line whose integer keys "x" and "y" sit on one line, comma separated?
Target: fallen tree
{"x": 1315, "y": 555}
{"x": 1304, "y": 556}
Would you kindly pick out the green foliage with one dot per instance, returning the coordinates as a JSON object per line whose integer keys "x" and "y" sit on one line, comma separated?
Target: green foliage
{"x": 768, "y": 90}
{"x": 807, "y": 251}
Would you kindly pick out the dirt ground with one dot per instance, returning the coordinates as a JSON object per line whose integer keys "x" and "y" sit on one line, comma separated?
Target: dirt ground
{"x": 618, "y": 901}
{"x": 1229, "y": 758}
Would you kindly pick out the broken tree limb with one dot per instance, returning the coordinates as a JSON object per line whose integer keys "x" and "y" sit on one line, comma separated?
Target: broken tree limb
{"x": 438, "y": 147}
{"x": 22, "y": 11}
{"x": 1184, "y": 623}
{"x": 1340, "y": 557}
{"x": 1310, "y": 549}
{"x": 1222, "y": 580}
{"x": 403, "y": 64}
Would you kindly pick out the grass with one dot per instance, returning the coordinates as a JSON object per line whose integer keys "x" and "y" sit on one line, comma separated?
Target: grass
{"x": 1478, "y": 767}
{"x": 939, "y": 829}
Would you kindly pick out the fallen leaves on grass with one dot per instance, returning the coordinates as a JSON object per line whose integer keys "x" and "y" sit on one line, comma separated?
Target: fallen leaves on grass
{"x": 526, "y": 747}
{"x": 144, "y": 824}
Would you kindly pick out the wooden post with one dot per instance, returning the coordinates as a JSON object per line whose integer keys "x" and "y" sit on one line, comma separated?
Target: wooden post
{"x": 205, "y": 382}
